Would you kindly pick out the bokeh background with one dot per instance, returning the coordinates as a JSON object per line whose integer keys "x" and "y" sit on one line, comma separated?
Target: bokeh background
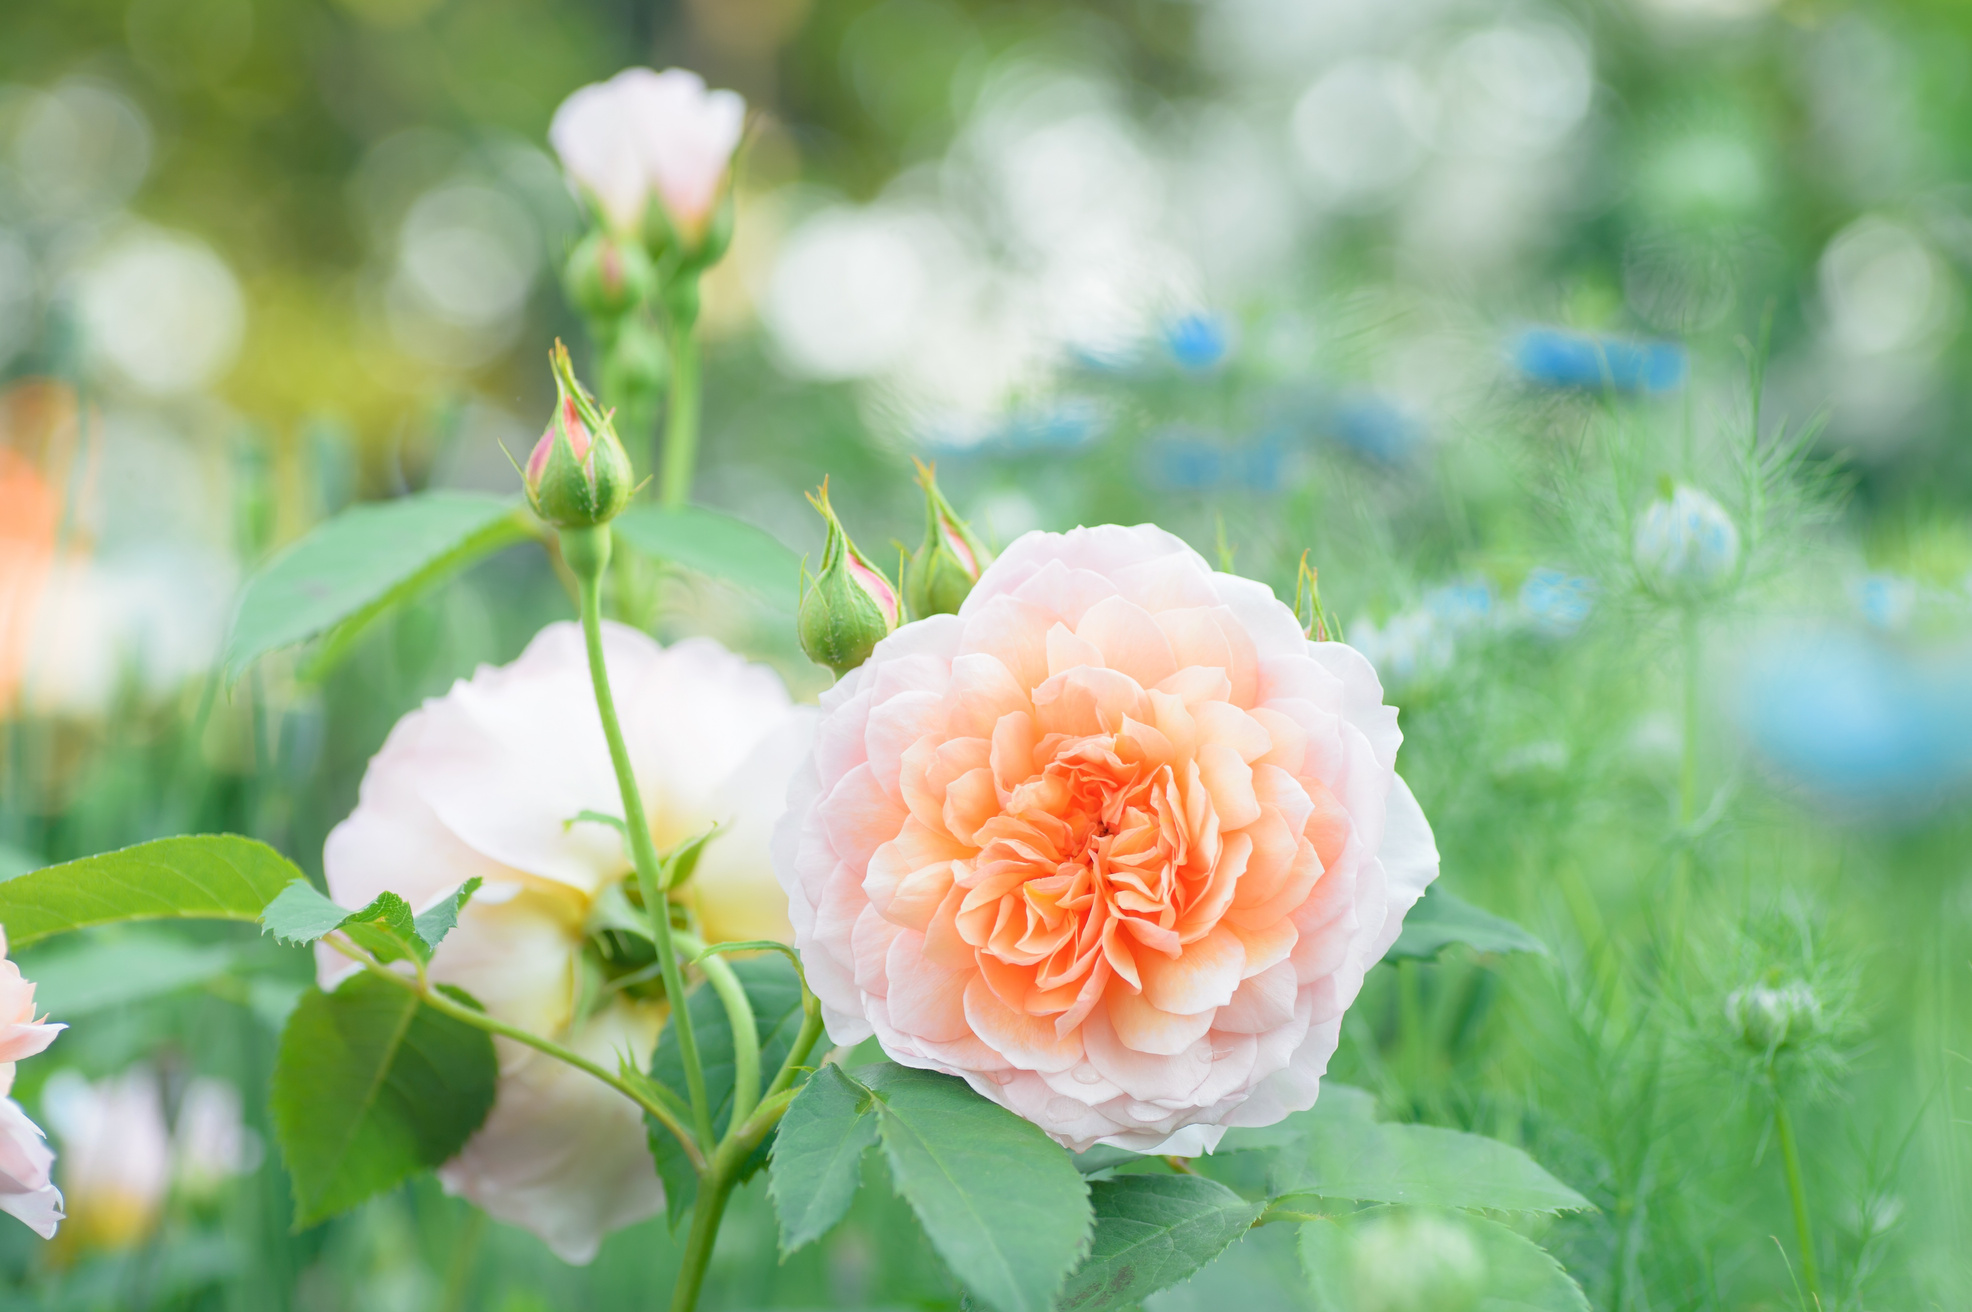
{"x": 1436, "y": 290}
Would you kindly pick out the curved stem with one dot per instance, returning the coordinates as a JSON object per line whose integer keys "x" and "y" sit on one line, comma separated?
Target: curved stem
{"x": 804, "y": 1043}
{"x": 438, "y": 1001}
{"x": 587, "y": 554}
{"x": 1797, "y": 1194}
{"x": 681, "y": 418}
{"x": 739, "y": 1014}
{"x": 715, "y": 1188}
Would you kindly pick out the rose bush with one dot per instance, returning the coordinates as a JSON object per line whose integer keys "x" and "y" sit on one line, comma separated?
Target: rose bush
{"x": 1116, "y": 843}
{"x": 484, "y": 782}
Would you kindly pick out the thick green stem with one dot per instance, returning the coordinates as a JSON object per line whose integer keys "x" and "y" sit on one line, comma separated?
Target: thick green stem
{"x": 1797, "y": 1194}
{"x": 681, "y": 418}
{"x": 587, "y": 552}
{"x": 715, "y": 1187}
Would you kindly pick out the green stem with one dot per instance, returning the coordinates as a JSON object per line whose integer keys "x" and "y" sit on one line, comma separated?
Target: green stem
{"x": 1692, "y": 655}
{"x": 739, "y": 1013}
{"x": 681, "y": 418}
{"x": 804, "y": 1043}
{"x": 438, "y": 1001}
{"x": 587, "y": 552}
{"x": 465, "y": 1255}
{"x": 1790, "y": 1158}
{"x": 714, "y": 1188}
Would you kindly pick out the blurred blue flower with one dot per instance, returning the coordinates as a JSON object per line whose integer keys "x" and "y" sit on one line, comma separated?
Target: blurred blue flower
{"x": 1886, "y": 601}
{"x": 1065, "y": 424}
{"x": 1198, "y": 341}
{"x": 1374, "y": 427}
{"x": 1421, "y": 641}
{"x": 1181, "y": 460}
{"x": 1856, "y": 720}
{"x": 1556, "y": 603}
{"x": 1461, "y": 606}
{"x": 1555, "y": 357}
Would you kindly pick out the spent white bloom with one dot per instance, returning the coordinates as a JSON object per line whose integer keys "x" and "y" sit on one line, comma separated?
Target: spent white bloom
{"x": 644, "y": 134}
{"x": 1686, "y": 543}
{"x": 484, "y": 781}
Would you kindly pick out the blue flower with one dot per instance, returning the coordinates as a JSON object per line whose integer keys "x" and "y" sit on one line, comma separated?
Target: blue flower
{"x": 1886, "y": 601}
{"x": 1198, "y": 341}
{"x": 1555, "y": 603}
{"x": 1555, "y": 357}
{"x": 1182, "y": 460}
{"x": 1374, "y": 427}
{"x": 1854, "y": 719}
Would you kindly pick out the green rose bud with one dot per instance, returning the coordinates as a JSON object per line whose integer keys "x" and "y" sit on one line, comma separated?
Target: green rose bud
{"x": 849, "y": 606}
{"x": 607, "y": 277}
{"x": 938, "y": 578}
{"x": 577, "y": 475}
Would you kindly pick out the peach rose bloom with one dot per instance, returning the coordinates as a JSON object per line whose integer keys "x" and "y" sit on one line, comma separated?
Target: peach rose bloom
{"x": 1116, "y": 844}
{"x": 483, "y": 781}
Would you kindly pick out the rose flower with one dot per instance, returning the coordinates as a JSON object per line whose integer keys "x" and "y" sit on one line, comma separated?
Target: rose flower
{"x": 485, "y": 781}
{"x": 1116, "y": 844}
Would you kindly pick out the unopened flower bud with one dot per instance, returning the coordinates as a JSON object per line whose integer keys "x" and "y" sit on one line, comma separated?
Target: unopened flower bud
{"x": 577, "y": 475}
{"x": 1772, "y": 1015}
{"x": 1686, "y": 545}
{"x": 938, "y": 578}
{"x": 849, "y": 606}
{"x": 608, "y": 275}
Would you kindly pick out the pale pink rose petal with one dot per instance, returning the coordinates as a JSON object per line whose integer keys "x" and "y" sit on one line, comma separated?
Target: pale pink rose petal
{"x": 561, "y": 1153}
{"x": 27, "y": 1189}
{"x": 594, "y": 133}
{"x": 1116, "y": 844}
{"x": 21, "y": 1033}
{"x": 685, "y": 135}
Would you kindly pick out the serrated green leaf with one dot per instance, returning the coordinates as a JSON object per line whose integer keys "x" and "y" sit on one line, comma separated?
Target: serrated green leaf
{"x": 818, "y": 1155}
{"x": 775, "y": 992}
{"x": 370, "y": 1087}
{"x": 1400, "y": 1257}
{"x": 301, "y": 914}
{"x": 196, "y": 877}
{"x": 73, "y": 979}
{"x": 1000, "y": 1201}
{"x": 1151, "y": 1232}
{"x": 1439, "y": 920}
{"x": 442, "y": 916}
{"x": 387, "y": 930}
{"x": 359, "y": 564}
{"x": 1418, "y": 1164}
{"x": 713, "y": 543}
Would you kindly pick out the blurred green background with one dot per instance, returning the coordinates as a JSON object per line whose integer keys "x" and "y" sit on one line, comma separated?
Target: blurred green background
{"x": 1437, "y": 291}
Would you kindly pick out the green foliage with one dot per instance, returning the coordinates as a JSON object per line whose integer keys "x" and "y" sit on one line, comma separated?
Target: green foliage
{"x": 196, "y": 877}
{"x": 356, "y": 566}
{"x": 1439, "y": 920}
{"x": 1402, "y": 1261}
{"x": 386, "y": 928}
{"x": 818, "y": 1156}
{"x": 774, "y": 989}
{"x": 114, "y": 969}
{"x": 1001, "y": 1202}
{"x": 705, "y": 540}
{"x": 1151, "y": 1232}
{"x": 370, "y": 1087}
{"x": 1344, "y": 1155}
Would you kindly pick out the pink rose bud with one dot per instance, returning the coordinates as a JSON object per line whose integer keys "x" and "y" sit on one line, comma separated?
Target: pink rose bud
{"x": 850, "y": 606}
{"x": 577, "y": 475}
{"x": 608, "y": 276}
{"x": 940, "y": 575}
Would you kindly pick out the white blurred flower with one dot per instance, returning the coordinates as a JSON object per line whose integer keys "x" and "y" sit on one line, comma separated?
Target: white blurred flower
{"x": 211, "y": 1143}
{"x": 1516, "y": 89}
{"x": 467, "y": 258}
{"x": 80, "y": 149}
{"x": 116, "y": 1154}
{"x": 1361, "y": 129}
{"x": 1884, "y": 290}
{"x": 1685, "y": 544}
{"x": 644, "y": 134}
{"x": 163, "y": 310}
